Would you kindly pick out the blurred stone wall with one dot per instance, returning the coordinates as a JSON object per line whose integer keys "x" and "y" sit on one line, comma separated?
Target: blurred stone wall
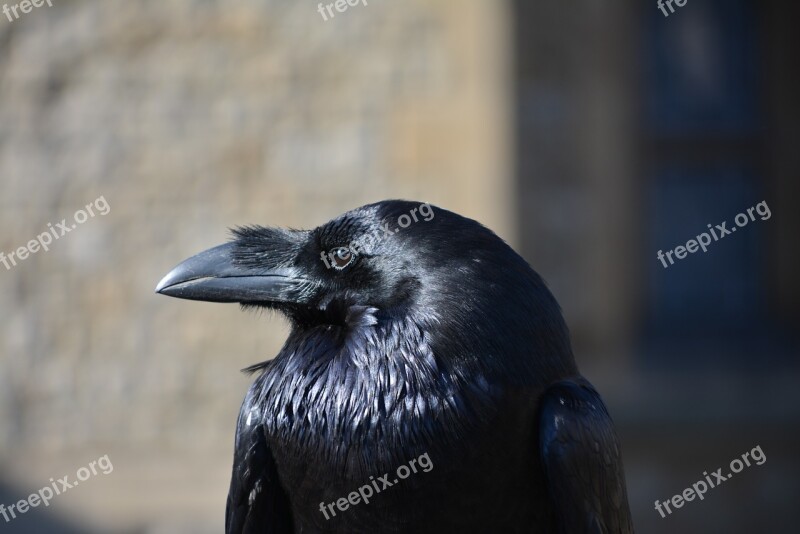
{"x": 189, "y": 117}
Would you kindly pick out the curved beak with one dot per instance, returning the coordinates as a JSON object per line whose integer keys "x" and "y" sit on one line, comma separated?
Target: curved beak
{"x": 215, "y": 276}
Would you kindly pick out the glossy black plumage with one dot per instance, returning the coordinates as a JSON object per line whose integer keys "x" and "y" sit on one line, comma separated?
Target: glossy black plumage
{"x": 435, "y": 339}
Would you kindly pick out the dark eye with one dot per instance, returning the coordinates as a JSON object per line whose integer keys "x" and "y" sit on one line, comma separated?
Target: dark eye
{"x": 341, "y": 257}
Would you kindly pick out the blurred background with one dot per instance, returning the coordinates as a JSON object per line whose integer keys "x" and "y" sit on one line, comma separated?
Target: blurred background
{"x": 588, "y": 134}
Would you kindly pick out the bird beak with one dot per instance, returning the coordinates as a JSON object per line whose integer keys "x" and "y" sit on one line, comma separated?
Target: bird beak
{"x": 214, "y": 276}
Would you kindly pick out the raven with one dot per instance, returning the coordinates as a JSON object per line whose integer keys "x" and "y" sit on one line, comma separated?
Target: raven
{"x": 415, "y": 332}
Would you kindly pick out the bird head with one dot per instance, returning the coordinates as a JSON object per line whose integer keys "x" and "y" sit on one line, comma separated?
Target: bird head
{"x": 383, "y": 261}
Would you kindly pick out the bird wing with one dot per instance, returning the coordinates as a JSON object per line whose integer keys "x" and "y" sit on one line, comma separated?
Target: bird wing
{"x": 581, "y": 457}
{"x": 256, "y": 501}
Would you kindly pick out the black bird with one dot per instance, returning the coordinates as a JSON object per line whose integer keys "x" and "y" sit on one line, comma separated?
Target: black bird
{"x": 416, "y": 333}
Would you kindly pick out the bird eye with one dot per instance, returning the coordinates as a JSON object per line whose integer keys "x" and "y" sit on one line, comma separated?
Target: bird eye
{"x": 341, "y": 257}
